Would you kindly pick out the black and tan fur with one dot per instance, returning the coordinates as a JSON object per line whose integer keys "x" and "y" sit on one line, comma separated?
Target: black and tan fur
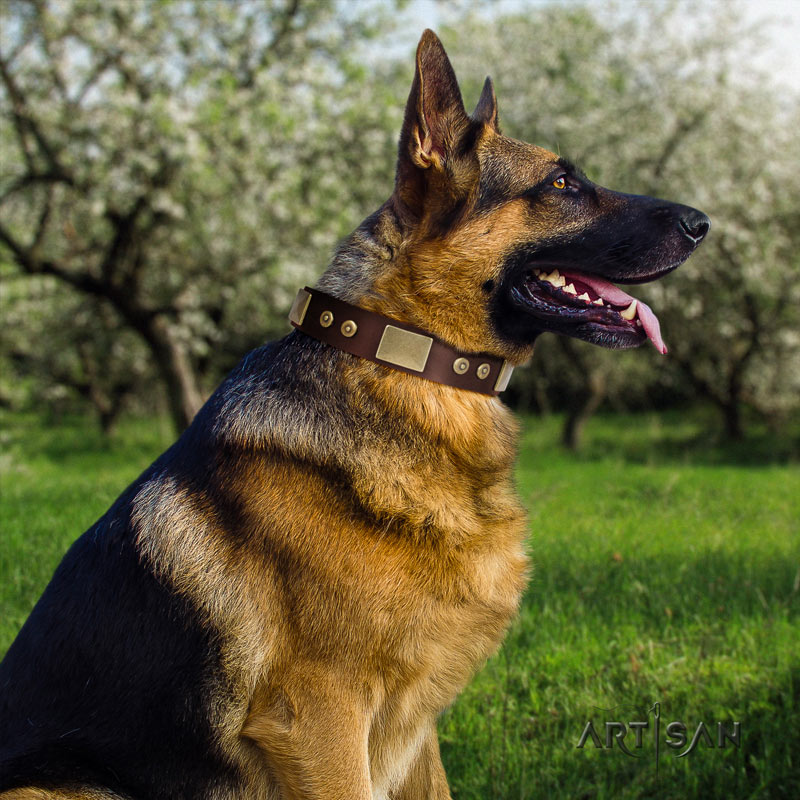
{"x": 283, "y": 603}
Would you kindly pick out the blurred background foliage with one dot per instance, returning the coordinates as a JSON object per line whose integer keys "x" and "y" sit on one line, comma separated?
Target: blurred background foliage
{"x": 171, "y": 172}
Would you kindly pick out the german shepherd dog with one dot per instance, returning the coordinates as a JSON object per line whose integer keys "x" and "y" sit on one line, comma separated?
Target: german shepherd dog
{"x": 285, "y": 601}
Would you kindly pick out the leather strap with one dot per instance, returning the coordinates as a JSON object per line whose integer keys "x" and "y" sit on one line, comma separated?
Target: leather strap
{"x": 395, "y": 344}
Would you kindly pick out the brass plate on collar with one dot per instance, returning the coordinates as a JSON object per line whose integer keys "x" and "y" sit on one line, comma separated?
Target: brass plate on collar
{"x": 404, "y": 348}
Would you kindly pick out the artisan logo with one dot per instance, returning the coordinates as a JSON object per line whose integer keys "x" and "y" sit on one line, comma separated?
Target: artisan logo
{"x": 675, "y": 734}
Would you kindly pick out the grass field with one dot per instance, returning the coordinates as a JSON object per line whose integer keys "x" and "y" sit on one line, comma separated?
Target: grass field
{"x": 666, "y": 570}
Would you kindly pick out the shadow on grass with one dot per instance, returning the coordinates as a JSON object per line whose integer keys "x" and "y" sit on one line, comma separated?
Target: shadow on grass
{"x": 671, "y": 437}
{"x": 64, "y": 439}
{"x": 704, "y": 448}
{"x": 712, "y": 586}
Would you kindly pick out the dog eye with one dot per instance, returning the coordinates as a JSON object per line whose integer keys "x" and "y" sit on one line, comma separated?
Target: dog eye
{"x": 560, "y": 182}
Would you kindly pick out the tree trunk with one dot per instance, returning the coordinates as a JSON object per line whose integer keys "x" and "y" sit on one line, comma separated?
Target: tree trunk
{"x": 733, "y": 420}
{"x": 581, "y": 411}
{"x": 184, "y": 396}
{"x": 732, "y": 404}
{"x": 732, "y": 407}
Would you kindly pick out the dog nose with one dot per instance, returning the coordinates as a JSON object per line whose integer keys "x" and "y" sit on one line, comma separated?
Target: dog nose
{"x": 694, "y": 225}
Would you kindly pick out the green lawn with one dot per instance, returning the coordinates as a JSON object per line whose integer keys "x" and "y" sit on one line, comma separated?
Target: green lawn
{"x": 666, "y": 569}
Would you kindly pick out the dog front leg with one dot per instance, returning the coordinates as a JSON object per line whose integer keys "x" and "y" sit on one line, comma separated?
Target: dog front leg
{"x": 426, "y": 780}
{"x": 314, "y": 739}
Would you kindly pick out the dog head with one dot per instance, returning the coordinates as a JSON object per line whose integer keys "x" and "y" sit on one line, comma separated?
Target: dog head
{"x": 503, "y": 240}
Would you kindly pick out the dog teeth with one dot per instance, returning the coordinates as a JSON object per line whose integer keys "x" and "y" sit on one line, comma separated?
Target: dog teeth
{"x": 598, "y": 302}
{"x": 630, "y": 312}
{"x": 570, "y": 289}
{"x": 555, "y": 278}
{"x": 585, "y": 296}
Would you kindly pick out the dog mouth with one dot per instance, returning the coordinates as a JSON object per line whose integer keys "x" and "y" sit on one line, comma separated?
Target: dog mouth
{"x": 604, "y": 313}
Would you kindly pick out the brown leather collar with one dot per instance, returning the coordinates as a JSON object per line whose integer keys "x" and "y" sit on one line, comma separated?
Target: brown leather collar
{"x": 394, "y": 344}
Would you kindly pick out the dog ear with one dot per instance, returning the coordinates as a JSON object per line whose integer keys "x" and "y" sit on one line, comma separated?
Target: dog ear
{"x": 434, "y": 125}
{"x": 486, "y": 110}
{"x": 435, "y": 115}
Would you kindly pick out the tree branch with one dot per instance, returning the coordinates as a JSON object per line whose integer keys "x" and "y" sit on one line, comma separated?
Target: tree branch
{"x": 682, "y": 129}
{"x": 32, "y": 178}
{"x": 44, "y": 217}
{"x": 106, "y": 62}
{"x": 138, "y": 316}
{"x": 24, "y": 40}
{"x": 58, "y": 81}
{"x": 124, "y": 225}
{"x": 282, "y": 32}
{"x": 24, "y": 122}
{"x": 249, "y": 67}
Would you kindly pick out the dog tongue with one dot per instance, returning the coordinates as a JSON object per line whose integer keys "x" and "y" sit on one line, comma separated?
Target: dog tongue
{"x": 651, "y": 327}
{"x": 614, "y": 295}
